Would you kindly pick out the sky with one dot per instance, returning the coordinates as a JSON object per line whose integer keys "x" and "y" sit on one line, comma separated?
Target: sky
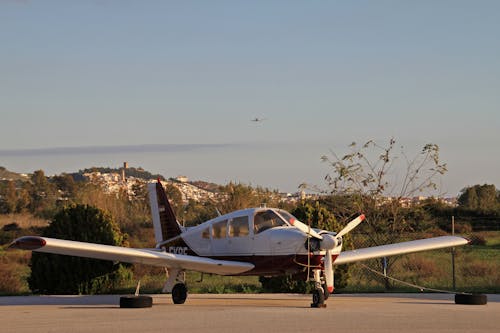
{"x": 117, "y": 75}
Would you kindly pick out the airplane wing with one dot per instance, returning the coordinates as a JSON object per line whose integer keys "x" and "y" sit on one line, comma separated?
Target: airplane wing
{"x": 154, "y": 257}
{"x": 399, "y": 248}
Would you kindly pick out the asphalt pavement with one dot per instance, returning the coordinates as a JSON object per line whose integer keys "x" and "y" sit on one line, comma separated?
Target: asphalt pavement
{"x": 250, "y": 313}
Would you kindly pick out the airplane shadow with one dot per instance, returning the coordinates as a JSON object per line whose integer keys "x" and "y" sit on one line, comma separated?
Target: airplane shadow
{"x": 90, "y": 307}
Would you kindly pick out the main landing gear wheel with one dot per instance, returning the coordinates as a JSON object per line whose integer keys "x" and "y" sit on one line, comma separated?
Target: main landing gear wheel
{"x": 475, "y": 299}
{"x": 179, "y": 293}
{"x": 136, "y": 301}
{"x": 318, "y": 299}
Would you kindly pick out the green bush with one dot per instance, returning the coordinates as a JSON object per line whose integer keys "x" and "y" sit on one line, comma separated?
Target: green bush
{"x": 59, "y": 274}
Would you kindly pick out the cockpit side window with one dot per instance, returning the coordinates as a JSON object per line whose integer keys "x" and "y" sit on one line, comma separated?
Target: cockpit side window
{"x": 266, "y": 220}
{"x": 219, "y": 229}
{"x": 238, "y": 227}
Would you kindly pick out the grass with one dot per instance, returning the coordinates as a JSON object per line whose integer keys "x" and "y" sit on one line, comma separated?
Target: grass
{"x": 14, "y": 271}
{"x": 476, "y": 270}
{"x": 24, "y": 221}
{"x": 215, "y": 284}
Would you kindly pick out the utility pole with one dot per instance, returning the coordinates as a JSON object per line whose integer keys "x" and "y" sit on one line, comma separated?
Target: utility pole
{"x": 453, "y": 253}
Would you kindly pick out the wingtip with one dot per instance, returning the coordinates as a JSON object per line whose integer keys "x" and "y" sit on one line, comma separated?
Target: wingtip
{"x": 28, "y": 243}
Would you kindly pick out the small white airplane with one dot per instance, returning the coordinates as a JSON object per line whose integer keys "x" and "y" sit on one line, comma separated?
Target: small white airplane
{"x": 258, "y": 120}
{"x": 254, "y": 241}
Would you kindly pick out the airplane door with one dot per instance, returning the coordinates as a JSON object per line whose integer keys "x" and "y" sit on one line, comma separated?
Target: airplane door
{"x": 239, "y": 241}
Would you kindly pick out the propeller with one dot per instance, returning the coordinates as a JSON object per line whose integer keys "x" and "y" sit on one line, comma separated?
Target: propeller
{"x": 351, "y": 225}
{"x": 328, "y": 256}
{"x": 337, "y": 241}
{"x": 305, "y": 229}
{"x": 327, "y": 243}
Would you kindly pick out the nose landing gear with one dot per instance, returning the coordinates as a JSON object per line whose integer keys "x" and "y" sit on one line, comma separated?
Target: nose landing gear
{"x": 318, "y": 295}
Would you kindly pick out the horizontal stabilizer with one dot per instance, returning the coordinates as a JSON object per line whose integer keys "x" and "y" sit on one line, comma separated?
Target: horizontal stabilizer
{"x": 399, "y": 248}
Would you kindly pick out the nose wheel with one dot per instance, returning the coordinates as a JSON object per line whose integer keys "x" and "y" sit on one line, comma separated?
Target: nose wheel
{"x": 318, "y": 298}
{"x": 319, "y": 294}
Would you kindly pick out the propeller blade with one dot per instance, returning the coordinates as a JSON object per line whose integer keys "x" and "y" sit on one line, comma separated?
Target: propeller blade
{"x": 306, "y": 229}
{"x": 351, "y": 225}
{"x": 329, "y": 271}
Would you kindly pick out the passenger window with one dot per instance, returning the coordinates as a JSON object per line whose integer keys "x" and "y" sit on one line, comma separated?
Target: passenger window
{"x": 266, "y": 220}
{"x": 205, "y": 234}
{"x": 238, "y": 227}
{"x": 219, "y": 229}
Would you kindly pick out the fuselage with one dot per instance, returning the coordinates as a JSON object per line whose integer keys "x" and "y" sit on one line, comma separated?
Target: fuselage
{"x": 264, "y": 237}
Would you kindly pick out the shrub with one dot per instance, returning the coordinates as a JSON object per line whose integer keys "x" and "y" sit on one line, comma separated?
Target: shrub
{"x": 477, "y": 240}
{"x": 52, "y": 273}
{"x": 478, "y": 268}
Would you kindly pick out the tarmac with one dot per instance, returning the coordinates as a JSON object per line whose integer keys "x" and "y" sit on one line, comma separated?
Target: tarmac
{"x": 250, "y": 313}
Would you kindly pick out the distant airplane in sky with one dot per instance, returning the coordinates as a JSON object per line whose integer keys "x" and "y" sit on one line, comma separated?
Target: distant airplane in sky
{"x": 257, "y": 120}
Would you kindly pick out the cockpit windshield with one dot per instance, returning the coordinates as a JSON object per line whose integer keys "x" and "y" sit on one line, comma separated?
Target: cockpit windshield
{"x": 287, "y": 216}
{"x": 267, "y": 219}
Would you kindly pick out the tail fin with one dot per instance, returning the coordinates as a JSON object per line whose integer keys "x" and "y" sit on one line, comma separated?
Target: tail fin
{"x": 164, "y": 221}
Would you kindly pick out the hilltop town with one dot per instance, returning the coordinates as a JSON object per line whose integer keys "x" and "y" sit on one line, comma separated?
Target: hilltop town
{"x": 115, "y": 180}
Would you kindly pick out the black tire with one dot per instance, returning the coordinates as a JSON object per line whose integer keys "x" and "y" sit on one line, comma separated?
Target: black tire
{"x": 475, "y": 299}
{"x": 318, "y": 298}
{"x": 136, "y": 302}
{"x": 179, "y": 293}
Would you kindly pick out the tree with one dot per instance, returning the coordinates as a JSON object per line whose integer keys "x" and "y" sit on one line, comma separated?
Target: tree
{"x": 66, "y": 184}
{"x": 8, "y": 197}
{"x": 174, "y": 196}
{"x": 43, "y": 195}
{"x": 196, "y": 212}
{"x": 23, "y": 197}
{"x": 376, "y": 179}
{"x": 240, "y": 196}
{"x": 117, "y": 204}
{"x": 58, "y": 274}
{"x": 479, "y": 197}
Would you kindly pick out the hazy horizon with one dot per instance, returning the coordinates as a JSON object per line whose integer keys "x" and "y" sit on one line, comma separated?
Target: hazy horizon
{"x": 200, "y": 162}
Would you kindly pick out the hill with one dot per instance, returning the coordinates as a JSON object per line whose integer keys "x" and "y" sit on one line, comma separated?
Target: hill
{"x": 129, "y": 172}
{"x": 9, "y": 175}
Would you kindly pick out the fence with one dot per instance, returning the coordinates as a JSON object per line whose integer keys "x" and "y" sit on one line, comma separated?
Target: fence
{"x": 476, "y": 266}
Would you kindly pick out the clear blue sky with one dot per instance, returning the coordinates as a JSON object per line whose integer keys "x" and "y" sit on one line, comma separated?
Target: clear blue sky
{"x": 325, "y": 73}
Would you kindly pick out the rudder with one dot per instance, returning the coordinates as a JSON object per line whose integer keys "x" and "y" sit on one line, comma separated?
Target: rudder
{"x": 164, "y": 221}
